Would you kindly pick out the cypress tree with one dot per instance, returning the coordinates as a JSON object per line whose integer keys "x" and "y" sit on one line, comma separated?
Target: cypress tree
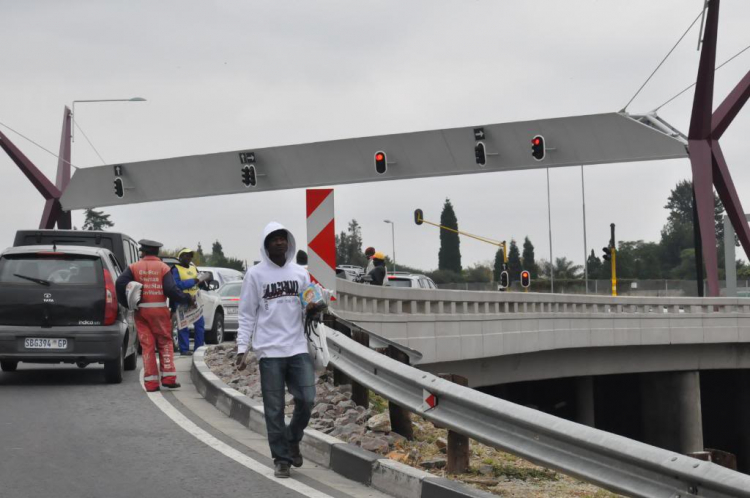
{"x": 514, "y": 262}
{"x": 449, "y": 256}
{"x": 529, "y": 263}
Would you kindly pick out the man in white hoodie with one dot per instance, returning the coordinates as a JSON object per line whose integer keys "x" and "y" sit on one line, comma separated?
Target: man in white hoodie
{"x": 271, "y": 323}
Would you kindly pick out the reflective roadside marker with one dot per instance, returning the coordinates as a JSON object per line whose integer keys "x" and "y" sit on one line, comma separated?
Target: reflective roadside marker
{"x": 429, "y": 400}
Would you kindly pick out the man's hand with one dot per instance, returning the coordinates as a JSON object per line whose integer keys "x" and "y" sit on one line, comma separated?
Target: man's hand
{"x": 203, "y": 277}
{"x": 241, "y": 362}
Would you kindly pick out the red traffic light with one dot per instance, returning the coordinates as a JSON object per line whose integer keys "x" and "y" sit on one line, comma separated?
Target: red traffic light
{"x": 381, "y": 162}
{"x": 525, "y": 278}
{"x": 379, "y": 156}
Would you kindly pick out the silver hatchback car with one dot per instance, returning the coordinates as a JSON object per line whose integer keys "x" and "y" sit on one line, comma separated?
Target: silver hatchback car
{"x": 229, "y": 294}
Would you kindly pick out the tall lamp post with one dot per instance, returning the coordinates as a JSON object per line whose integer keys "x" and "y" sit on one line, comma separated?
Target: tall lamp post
{"x": 393, "y": 239}
{"x": 73, "y": 112}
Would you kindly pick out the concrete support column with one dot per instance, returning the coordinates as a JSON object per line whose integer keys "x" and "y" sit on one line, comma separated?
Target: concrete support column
{"x": 671, "y": 411}
{"x": 585, "y": 401}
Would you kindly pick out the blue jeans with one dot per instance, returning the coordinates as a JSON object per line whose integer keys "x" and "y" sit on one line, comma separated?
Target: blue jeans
{"x": 183, "y": 336}
{"x": 298, "y": 374}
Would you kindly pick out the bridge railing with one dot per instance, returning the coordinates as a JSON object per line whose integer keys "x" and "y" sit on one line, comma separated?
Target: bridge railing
{"x": 613, "y": 462}
{"x": 359, "y": 298}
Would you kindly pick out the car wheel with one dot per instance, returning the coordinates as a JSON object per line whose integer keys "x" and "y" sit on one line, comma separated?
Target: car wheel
{"x": 131, "y": 362}
{"x": 8, "y": 365}
{"x": 216, "y": 336}
{"x": 113, "y": 369}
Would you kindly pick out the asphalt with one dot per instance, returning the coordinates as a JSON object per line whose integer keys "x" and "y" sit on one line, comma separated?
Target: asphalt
{"x": 65, "y": 433}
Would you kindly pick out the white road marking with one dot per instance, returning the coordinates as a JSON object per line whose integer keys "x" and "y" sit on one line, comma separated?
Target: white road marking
{"x": 223, "y": 448}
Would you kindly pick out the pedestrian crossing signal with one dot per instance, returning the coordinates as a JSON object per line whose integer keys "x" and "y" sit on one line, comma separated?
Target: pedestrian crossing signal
{"x": 119, "y": 188}
{"x": 249, "y": 178}
{"x": 381, "y": 162}
{"x": 537, "y": 147}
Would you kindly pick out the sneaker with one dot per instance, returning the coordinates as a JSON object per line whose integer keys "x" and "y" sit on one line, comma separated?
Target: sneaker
{"x": 282, "y": 470}
{"x": 175, "y": 385}
{"x": 186, "y": 353}
{"x": 296, "y": 454}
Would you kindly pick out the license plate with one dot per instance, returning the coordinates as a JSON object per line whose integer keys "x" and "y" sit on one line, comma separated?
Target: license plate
{"x": 36, "y": 343}
{"x": 232, "y": 311}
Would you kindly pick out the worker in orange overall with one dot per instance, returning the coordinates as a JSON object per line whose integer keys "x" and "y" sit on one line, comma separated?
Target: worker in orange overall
{"x": 153, "y": 279}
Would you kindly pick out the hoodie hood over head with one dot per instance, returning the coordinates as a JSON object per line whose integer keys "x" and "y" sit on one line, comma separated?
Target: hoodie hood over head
{"x": 291, "y": 250}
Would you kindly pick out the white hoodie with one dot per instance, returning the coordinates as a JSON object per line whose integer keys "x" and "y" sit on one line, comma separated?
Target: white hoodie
{"x": 270, "y": 313}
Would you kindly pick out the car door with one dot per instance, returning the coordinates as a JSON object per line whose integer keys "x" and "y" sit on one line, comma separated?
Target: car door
{"x": 128, "y": 314}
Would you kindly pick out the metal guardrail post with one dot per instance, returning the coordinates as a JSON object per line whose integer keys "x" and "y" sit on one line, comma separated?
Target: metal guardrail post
{"x": 400, "y": 420}
{"x": 458, "y": 444}
{"x": 360, "y": 394}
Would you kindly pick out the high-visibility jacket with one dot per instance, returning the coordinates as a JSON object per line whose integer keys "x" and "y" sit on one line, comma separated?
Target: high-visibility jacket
{"x": 188, "y": 273}
{"x": 150, "y": 272}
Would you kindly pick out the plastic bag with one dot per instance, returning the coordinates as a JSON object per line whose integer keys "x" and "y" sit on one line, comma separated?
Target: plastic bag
{"x": 317, "y": 345}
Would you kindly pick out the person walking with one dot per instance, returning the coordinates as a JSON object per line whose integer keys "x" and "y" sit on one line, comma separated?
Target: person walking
{"x": 271, "y": 323}
{"x": 152, "y": 319}
{"x": 186, "y": 276}
{"x": 378, "y": 272}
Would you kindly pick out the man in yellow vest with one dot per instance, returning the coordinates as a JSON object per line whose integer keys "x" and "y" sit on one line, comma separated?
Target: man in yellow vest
{"x": 186, "y": 278}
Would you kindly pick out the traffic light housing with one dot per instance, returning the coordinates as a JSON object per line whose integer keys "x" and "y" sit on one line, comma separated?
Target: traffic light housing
{"x": 480, "y": 153}
{"x": 525, "y": 279}
{"x": 418, "y": 217}
{"x": 249, "y": 177}
{"x": 607, "y": 253}
{"x": 381, "y": 162}
{"x": 119, "y": 188}
{"x": 538, "y": 150}
{"x": 504, "y": 279}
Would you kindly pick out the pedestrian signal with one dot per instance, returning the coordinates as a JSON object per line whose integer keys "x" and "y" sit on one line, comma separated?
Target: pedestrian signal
{"x": 504, "y": 279}
{"x": 525, "y": 279}
{"x": 119, "y": 188}
{"x": 537, "y": 147}
{"x": 249, "y": 178}
{"x": 418, "y": 216}
{"x": 381, "y": 162}
{"x": 480, "y": 153}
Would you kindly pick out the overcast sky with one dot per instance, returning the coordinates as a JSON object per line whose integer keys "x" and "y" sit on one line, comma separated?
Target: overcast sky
{"x": 230, "y": 75}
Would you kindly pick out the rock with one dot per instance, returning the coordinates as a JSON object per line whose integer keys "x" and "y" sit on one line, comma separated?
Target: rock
{"x": 288, "y": 399}
{"x": 434, "y": 463}
{"x": 395, "y": 439}
{"x": 380, "y": 423}
{"x": 441, "y": 443}
{"x": 348, "y": 405}
{"x": 375, "y": 444}
{"x": 320, "y": 410}
{"x": 339, "y": 398}
{"x": 487, "y": 470}
{"x": 345, "y": 431}
{"x": 347, "y": 418}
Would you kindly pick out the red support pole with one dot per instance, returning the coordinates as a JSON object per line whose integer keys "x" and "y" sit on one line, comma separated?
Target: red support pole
{"x": 36, "y": 177}
{"x": 729, "y": 109}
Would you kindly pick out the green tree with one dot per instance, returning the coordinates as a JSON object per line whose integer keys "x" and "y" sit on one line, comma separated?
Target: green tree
{"x": 529, "y": 263}
{"x": 479, "y": 272}
{"x": 497, "y": 268}
{"x": 595, "y": 266}
{"x": 566, "y": 269}
{"x": 97, "y": 220}
{"x": 217, "y": 257}
{"x": 449, "y": 256}
{"x": 235, "y": 263}
{"x": 514, "y": 262}
{"x": 199, "y": 257}
{"x": 349, "y": 246}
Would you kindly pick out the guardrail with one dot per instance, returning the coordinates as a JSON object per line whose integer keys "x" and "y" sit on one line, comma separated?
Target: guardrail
{"x": 359, "y": 298}
{"x": 613, "y": 462}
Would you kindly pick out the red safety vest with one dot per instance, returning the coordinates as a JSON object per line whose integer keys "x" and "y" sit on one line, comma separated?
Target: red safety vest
{"x": 150, "y": 272}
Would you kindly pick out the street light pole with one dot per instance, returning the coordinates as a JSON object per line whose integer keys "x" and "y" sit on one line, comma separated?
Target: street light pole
{"x": 393, "y": 239}
{"x": 73, "y": 111}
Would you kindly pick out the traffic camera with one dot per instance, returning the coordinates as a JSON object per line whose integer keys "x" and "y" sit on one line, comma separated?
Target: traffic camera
{"x": 538, "y": 151}
{"x": 119, "y": 188}
{"x": 381, "y": 162}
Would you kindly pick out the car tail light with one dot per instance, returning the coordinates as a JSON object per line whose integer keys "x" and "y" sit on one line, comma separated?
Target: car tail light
{"x": 110, "y": 299}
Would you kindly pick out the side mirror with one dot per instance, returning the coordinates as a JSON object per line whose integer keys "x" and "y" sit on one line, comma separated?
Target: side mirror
{"x": 213, "y": 285}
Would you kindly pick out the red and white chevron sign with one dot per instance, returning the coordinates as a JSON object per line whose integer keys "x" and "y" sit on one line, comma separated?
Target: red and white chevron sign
{"x": 321, "y": 237}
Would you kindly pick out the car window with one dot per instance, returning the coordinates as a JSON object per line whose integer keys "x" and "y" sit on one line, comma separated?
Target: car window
{"x": 33, "y": 269}
{"x": 115, "y": 265}
{"x": 399, "y": 282}
{"x": 230, "y": 290}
